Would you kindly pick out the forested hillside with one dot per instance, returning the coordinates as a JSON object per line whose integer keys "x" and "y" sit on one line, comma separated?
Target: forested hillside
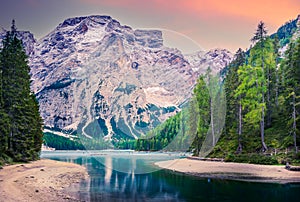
{"x": 262, "y": 88}
{"x": 285, "y": 32}
{"x": 20, "y": 122}
{"x": 262, "y": 91}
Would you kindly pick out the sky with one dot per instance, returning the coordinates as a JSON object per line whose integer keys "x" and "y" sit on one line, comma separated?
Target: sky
{"x": 187, "y": 24}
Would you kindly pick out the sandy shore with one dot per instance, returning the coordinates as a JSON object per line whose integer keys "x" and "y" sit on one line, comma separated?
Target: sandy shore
{"x": 234, "y": 171}
{"x": 43, "y": 180}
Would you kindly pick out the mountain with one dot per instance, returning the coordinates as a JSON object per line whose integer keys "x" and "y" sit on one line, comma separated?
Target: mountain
{"x": 216, "y": 59}
{"x": 286, "y": 31}
{"x": 96, "y": 77}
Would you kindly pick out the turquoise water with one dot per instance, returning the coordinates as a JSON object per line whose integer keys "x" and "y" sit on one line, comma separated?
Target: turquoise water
{"x": 130, "y": 176}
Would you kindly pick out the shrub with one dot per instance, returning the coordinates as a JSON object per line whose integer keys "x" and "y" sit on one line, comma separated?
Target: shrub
{"x": 251, "y": 158}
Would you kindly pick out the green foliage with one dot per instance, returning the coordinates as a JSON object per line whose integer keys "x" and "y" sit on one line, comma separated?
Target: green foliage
{"x": 78, "y": 142}
{"x": 263, "y": 82}
{"x": 5, "y": 159}
{"x": 250, "y": 79}
{"x": 285, "y": 32}
{"x": 125, "y": 144}
{"x": 161, "y": 136}
{"x": 170, "y": 135}
{"x": 62, "y": 143}
{"x": 20, "y": 122}
{"x": 291, "y": 93}
{"x": 202, "y": 107}
{"x": 251, "y": 158}
{"x": 233, "y": 102}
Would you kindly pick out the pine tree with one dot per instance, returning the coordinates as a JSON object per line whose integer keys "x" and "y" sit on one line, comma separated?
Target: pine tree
{"x": 260, "y": 33}
{"x": 234, "y": 108}
{"x": 211, "y": 81}
{"x": 277, "y": 57}
{"x": 202, "y": 101}
{"x": 255, "y": 83}
{"x": 4, "y": 123}
{"x": 271, "y": 76}
{"x": 259, "y": 37}
{"x": 291, "y": 66}
{"x": 250, "y": 79}
{"x": 25, "y": 125}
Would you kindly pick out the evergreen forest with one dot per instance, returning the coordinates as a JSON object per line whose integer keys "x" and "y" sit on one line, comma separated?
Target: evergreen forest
{"x": 263, "y": 103}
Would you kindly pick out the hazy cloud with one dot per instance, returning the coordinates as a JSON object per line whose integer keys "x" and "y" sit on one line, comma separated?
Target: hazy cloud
{"x": 211, "y": 23}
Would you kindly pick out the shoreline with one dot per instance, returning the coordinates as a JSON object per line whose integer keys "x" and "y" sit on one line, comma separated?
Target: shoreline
{"x": 42, "y": 180}
{"x": 232, "y": 171}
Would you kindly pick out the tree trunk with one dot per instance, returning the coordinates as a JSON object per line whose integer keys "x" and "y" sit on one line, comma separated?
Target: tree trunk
{"x": 240, "y": 148}
{"x": 262, "y": 127}
{"x": 276, "y": 85}
{"x": 212, "y": 122}
{"x": 294, "y": 123}
{"x": 198, "y": 145}
{"x": 262, "y": 122}
{"x": 269, "y": 110}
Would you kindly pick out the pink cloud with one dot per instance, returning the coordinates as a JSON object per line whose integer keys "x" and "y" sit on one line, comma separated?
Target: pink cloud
{"x": 273, "y": 11}
{"x": 208, "y": 21}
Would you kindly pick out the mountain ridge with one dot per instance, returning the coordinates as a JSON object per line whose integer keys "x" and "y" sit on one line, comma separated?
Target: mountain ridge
{"x": 96, "y": 77}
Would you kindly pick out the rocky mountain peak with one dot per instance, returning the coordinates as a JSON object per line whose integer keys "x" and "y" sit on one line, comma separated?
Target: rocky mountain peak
{"x": 97, "y": 77}
{"x": 81, "y": 25}
{"x": 96, "y": 19}
{"x": 92, "y": 70}
{"x": 216, "y": 59}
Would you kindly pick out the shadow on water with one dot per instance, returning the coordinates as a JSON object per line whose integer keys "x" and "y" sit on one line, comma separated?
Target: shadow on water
{"x": 107, "y": 184}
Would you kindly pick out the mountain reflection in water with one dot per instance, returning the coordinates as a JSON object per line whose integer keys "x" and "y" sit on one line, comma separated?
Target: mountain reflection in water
{"x": 128, "y": 183}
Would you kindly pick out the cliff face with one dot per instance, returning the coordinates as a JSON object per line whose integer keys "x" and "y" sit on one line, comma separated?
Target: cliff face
{"x": 216, "y": 59}
{"x": 99, "y": 78}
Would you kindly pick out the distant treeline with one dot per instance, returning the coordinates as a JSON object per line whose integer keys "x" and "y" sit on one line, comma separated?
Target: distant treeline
{"x": 79, "y": 143}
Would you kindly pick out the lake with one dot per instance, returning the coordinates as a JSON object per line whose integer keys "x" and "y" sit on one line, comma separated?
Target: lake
{"x": 131, "y": 176}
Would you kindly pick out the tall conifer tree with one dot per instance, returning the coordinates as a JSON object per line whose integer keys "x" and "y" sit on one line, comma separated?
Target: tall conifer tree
{"x": 25, "y": 124}
{"x": 259, "y": 37}
{"x": 202, "y": 101}
{"x": 233, "y": 122}
{"x": 4, "y": 122}
{"x": 291, "y": 66}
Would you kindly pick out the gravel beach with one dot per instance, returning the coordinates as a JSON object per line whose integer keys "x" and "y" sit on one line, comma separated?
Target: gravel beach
{"x": 42, "y": 180}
